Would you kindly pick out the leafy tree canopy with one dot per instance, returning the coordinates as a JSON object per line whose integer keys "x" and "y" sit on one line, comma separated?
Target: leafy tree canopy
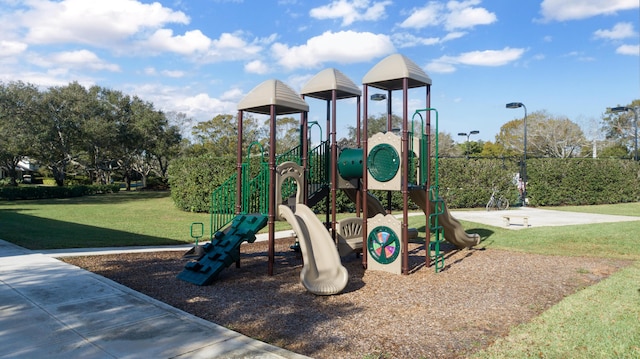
{"x": 547, "y": 136}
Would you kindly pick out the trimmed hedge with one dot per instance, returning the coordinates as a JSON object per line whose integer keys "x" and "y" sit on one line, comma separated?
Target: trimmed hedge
{"x": 192, "y": 180}
{"x": 464, "y": 183}
{"x": 551, "y": 181}
{"x": 46, "y": 192}
{"x": 583, "y": 181}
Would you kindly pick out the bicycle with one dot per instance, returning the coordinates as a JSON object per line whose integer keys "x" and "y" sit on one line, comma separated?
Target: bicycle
{"x": 499, "y": 203}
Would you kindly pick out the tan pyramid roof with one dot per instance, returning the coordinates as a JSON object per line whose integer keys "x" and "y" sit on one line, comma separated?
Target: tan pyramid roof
{"x": 390, "y": 71}
{"x": 322, "y": 84}
{"x": 273, "y": 92}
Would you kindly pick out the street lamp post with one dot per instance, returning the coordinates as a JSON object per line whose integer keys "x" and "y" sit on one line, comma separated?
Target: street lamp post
{"x": 524, "y": 158}
{"x": 474, "y": 132}
{"x": 635, "y": 125}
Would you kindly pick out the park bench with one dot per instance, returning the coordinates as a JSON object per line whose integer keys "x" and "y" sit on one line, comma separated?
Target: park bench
{"x": 508, "y": 218}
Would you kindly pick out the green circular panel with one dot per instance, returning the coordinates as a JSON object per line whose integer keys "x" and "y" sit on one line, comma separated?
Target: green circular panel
{"x": 383, "y": 245}
{"x": 383, "y": 162}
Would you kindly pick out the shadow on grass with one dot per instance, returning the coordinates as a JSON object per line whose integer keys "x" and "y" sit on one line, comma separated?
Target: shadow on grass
{"x": 108, "y": 198}
{"x": 41, "y": 233}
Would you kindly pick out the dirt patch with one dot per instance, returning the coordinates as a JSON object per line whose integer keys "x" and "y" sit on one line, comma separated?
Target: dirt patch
{"x": 479, "y": 296}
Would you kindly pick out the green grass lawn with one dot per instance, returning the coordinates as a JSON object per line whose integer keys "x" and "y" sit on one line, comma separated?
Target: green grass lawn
{"x": 600, "y": 321}
{"x": 122, "y": 219}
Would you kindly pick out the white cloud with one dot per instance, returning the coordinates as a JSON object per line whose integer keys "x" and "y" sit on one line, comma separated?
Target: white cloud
{"x": 256, "y": 67}
{"x": 628, "y": 50}
{"x": 151, "y": 71}
{"x": 463, "y": 15}
{"x": 11, "y": 48}
{"x": 455, "y": 15}
{"x": 82, "y": 59}
{"x": 428, "y": 15}
{"x": 96, "y": 22}
{"x": 234, "y": 46}
{"x": 440, "y": 67}
{"x": 173, "y": 73}
{"x": 234, "y": 95}
{"x": 562, "y": 10}
{"x": 580, "y": 56}
{"x": 351, "y": 11}
{"x": 190, "y": 42}
{"x": 341, "y": 47}
{"x": 404, "y": 40}
{"x": 619, "y": 31}
{"x": 492, "y": 58}
{"x": 198, "y": 106}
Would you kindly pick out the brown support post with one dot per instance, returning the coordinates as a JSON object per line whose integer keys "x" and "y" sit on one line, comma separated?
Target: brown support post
{"x": 239, "y": 166}
{"x": 359, "y": 145}
{"x": 365, "y": 181}
{"x": 304, "y": 131}
{"x": 389, "y": 129}
{"x": 239, "y": 172}
{"x": 327, "y": 207}
{"x": 333, "y": 165}
{"x": 272, "y": 189}
{"x": 405, "y": 176}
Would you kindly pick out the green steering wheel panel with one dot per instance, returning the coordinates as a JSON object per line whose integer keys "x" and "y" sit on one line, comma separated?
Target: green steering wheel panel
{"x": 383, "y": 245}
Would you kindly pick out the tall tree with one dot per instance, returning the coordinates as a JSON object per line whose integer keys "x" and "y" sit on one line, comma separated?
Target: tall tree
{"x": 287, "y": 133}
{"x": 159, "y": 141}
{"x": 547, "y": 136}
{"x": 19, "y": 108}
{"x": 100, "y": 133}
{"x": 619, "y": 128}
{"x": 59, "y": 128}
{"x": 167, "y": 146}
{"x": 219, "y": 135}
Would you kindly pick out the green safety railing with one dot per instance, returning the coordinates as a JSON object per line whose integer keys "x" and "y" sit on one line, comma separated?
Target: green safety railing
{"x": 319, "y": 171}
{"x": 255, "y": 189}
{"x": 223, "y": 205}
{"x": 293, "y": 155}
{"x": 255, "y": 184}
{"x": 433, "y": 247}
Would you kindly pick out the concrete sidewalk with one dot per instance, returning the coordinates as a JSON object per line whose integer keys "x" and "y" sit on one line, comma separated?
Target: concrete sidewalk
{"x": 51, "y": 309}
{"x": 537, "y": 217}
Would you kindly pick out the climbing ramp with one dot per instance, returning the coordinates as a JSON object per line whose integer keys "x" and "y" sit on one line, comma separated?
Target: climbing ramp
{"x": 223, "y": 250}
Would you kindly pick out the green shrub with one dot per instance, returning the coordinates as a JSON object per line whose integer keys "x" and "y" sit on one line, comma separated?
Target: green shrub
{"x": 192, "y": 180}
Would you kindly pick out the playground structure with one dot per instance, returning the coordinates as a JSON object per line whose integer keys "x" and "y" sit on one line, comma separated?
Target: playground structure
{"x": 285, "y": 186}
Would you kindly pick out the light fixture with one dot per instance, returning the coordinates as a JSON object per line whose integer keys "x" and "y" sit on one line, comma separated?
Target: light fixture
{"x": 474, "y": 132}
{"x": 635, "y": 125}
{"x": 524, "y": 161}
{"x": 378, "y": 97}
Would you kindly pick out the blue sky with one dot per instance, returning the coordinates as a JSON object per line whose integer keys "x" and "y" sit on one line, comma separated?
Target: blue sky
{"x": 571, "y": 58}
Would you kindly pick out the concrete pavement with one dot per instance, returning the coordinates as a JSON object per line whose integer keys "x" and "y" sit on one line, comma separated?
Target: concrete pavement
{"x": 50, "y": 309}
{"x": 537, "y": 217}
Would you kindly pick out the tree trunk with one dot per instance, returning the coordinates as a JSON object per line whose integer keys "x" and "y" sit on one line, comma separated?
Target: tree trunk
{"x": 58, "y": 175}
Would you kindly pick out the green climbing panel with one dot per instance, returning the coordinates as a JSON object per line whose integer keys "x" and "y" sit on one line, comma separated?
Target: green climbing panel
{"x": 223, "y": 250}
{"x": 383, "y": 162}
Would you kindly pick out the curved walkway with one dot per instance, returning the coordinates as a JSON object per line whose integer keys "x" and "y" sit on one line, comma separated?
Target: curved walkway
{"x": 51, "y": 309}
